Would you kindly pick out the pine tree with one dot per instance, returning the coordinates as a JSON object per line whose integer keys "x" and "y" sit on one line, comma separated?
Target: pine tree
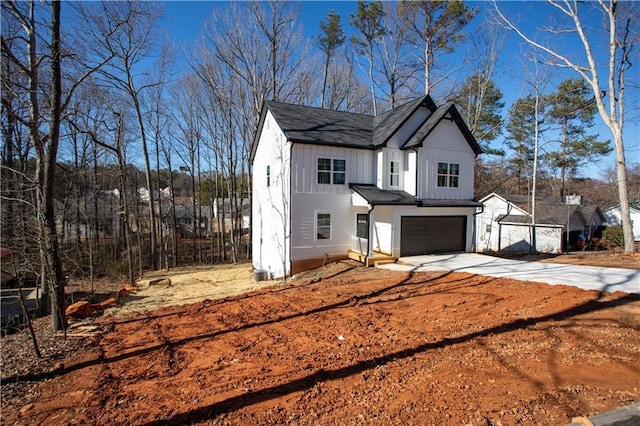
{"x": 329, "y": 40}
{"x": 573, "y": 111}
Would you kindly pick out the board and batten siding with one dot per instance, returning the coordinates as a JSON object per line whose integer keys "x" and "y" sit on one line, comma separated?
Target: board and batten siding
{"x": 271, "y": 205}
{"x": 408, "y": 128}
{"x": 409, "y": 172}
{"x": 304, "y": 165}
{"x": 445, "y": 144}
{"x": 304, "y": 242}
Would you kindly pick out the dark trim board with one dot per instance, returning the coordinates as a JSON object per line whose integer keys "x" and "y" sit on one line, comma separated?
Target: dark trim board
{"x": 432, "y": 234}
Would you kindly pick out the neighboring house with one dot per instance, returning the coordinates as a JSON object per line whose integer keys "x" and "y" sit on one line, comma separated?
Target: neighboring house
{"x": 615, "y": 218}
{"x": 505, "y": 224}
{"x": 185, "y": 219}
{"x": 326, "y": 183}
{"x": 223, "y": 208}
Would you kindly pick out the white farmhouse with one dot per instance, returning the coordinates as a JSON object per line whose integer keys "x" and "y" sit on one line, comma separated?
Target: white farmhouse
{"x": 505, "y": 224}
{"x": 330, "y": 184}
{"x": 614, "y": 217}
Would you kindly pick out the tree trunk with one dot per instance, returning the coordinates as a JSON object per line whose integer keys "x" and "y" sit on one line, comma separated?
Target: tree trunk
{"x": 147, "y": 173}
{"x": 58, "y": 318}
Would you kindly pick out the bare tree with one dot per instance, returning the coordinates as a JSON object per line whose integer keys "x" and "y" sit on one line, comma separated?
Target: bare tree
{"x": 130, "y": 27}
{"x": 46, "y": 139}
{"x": 394, "y": 65}
{"x": 369, "y": 22}
{"x": 621, "y": 34}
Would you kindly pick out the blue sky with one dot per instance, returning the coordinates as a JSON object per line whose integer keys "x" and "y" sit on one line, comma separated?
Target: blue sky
{"x": 185, "y": 20}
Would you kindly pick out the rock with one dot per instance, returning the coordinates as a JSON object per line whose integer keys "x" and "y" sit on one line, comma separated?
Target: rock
{"x": 79, "y": 309}
{"x": 161, "y": 282}
{"x": 125, "y": 290}
{"x": 105, "y": 304}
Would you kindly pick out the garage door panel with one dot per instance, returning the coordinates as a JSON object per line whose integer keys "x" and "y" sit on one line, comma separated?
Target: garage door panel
{"x": 432, "y": 234}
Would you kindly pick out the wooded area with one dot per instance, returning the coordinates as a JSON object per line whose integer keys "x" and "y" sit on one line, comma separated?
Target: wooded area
{"x": 114, "y": 160}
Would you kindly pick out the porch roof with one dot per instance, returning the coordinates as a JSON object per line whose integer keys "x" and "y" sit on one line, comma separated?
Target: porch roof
{"x": 424, "y": 202}
{"x": 380, "y": 197}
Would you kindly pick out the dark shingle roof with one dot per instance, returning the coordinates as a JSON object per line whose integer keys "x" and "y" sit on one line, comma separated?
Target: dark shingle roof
{"x": 426, "y": 127}
{"x": 303, "y": 124}
{"x": 385, "y": 125}
{"x": 557, "y": 213}
{"x": 379, "y": 197}
{"x": 323, "y": 126}
{"x": 448, "y": 203}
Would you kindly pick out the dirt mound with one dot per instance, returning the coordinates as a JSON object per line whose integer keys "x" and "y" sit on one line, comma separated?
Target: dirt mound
{"x": 348, "y": 345}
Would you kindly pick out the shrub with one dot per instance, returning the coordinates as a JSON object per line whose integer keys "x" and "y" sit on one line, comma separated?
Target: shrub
{"x": 613, "y": 236}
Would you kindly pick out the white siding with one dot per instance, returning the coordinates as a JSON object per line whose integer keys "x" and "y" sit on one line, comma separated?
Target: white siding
{"x": 516, "y": 238}
{"x": 409, "y": 128}
{"x": 487, "y": 229}
{"x": 383, "y": 168}
{"x": 491, "y": 236}
{"x": 409, "y": 172}
{"x": 445, "y": 144}
{"x": 304, "y": 162}
{"x": 379, "y": 159}
{"x": 614, "y": 217}
{"x": 271, "y": 204}
{"x": 304, "y": 244}
{"x": 383, "y": 229}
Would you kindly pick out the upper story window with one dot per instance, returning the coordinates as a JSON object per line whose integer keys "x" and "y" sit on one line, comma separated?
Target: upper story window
{"x": 394, "y": 173}
{"x": 268, "y": 175}
{"x": 331, "y": 171}
{"x": 448, "y": 175}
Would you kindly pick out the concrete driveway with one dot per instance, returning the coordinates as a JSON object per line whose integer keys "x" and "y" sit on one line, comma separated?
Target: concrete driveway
{"x": 586, "y": 277}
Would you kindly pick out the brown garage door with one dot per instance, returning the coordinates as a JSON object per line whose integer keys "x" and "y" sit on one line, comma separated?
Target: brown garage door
{"x": 432, "y": 234}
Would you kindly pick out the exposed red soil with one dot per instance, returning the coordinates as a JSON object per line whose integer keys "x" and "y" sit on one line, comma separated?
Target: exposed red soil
{"x": 347, "y": 345}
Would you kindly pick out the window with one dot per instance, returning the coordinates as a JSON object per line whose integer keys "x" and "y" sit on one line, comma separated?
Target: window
{"x": 362, "y": 225}
{"x": 331, "y": 171}
{"x": 448, "y": 175}
{"x": 394, "y": 173}
{"x": 323, "y": 226}
{"x": 268, "y": 175}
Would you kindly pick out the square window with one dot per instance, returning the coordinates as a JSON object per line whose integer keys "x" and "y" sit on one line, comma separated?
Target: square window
{"x": 448, "y": 175}
{"x": 331, "y": 171}
{"x": 323, "y": 226}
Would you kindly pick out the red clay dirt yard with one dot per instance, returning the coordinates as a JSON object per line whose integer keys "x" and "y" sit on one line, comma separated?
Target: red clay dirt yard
{"x": 348, "y": 345}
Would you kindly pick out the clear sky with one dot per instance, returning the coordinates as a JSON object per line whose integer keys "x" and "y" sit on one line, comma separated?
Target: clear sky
{"x": 185, "y": 20}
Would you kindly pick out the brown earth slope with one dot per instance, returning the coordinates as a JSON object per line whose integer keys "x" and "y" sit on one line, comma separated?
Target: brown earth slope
{"x": 345, "y": 345}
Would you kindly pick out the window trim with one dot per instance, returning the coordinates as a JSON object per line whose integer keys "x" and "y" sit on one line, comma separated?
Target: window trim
{"x": 318, "y": 226}
{"x": 449, "y": 177}
{"x": 332, "y": 171}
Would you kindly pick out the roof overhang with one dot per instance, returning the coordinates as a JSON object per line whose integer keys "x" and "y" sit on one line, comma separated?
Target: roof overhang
{"x": 380, "y": 197}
